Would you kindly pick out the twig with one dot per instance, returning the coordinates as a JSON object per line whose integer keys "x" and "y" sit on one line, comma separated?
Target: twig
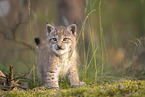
{"x": 17, "y": 41}
{"x": 138, "y": 43}
{"x": 9, "y": 83}
{"x": 22, "y": 76}
{"x": 11, "y": 78}
{"x": 13, "y": 29}
{"x": 21, "y": 42}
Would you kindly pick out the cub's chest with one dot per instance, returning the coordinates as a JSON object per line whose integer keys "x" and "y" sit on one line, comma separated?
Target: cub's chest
{"x": 63, "y": 65}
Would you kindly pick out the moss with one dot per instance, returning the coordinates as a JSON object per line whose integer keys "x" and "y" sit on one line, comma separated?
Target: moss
{"x": 117, "y": 89}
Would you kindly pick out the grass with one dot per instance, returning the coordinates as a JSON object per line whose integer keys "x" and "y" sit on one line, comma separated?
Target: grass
{"x": 93, "y": 61}
{"x": 97, "y": 64}
{"x": 118, "y": 89}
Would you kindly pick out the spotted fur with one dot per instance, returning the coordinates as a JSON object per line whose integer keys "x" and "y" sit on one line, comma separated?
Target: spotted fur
{"x": 57, "y": 55}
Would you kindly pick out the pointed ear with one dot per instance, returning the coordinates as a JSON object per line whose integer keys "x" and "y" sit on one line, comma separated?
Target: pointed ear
{"x": 73, "y": 29}
{"x": 49, "y": 29}
{"x": 37, "y": 41}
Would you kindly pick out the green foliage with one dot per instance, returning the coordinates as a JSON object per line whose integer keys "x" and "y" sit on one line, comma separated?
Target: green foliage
{"x": 109, "y": 52}
{"x": 117, "y": 89}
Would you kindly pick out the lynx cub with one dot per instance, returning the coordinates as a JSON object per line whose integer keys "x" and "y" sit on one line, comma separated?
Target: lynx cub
{"x": 57, "y": 56}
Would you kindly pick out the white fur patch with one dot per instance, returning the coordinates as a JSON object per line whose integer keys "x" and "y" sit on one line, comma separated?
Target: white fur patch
{"x": 59, "y": 52}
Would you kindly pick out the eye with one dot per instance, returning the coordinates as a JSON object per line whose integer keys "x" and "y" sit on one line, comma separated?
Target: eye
{"x": 54, "y": 39}
{"x": 65, "y": 39}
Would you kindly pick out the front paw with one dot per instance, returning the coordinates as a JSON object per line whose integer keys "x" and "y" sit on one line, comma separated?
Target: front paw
{"x": 81, "y": 84}
{"x": 51, "y": 87}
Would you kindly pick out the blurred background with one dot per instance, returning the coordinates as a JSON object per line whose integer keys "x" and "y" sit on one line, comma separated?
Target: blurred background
{"x": 111, "y": 35}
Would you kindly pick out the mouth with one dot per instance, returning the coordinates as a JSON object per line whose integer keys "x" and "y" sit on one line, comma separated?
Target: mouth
{"x": 59, "y": 51}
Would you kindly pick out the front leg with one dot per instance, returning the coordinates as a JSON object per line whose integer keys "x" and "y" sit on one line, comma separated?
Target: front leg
{"x": 52, "y": 80}
{"x": 73, "y": 76}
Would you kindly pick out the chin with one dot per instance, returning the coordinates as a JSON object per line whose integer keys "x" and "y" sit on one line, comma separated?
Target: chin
{"x": 59, "y": 52}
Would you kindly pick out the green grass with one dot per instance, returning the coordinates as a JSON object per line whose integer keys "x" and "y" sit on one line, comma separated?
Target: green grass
{"x": 117, "y": 89}
{"x": 92, "y": 53}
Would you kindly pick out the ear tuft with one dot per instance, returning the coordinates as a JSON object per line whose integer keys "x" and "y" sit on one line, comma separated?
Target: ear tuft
{"x": 73, "y": 29}
{"x": 49, "y": 29}
{"x": 37, "y": 41}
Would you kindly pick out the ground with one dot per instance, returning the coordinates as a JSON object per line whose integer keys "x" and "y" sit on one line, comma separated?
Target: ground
{"x": 126, "y": 88}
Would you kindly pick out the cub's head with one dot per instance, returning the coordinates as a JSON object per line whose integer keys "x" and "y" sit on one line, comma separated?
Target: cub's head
{"x": 60, "y": 40}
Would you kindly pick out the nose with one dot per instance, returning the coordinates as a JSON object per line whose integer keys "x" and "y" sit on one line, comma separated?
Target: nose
{"x": 59, "y": 46}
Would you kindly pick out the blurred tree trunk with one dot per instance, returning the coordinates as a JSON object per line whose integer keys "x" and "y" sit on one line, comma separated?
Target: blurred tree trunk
{"x": 18, "y": 12}
{"x": 11, "y": 25}
{"x": 71, "y": 11}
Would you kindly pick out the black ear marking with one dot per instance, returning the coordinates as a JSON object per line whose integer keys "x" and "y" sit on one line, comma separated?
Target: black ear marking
{"x": 73, "y": 29}
{"x": 37, "y": 41}
{"x": 49, "y": 29}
